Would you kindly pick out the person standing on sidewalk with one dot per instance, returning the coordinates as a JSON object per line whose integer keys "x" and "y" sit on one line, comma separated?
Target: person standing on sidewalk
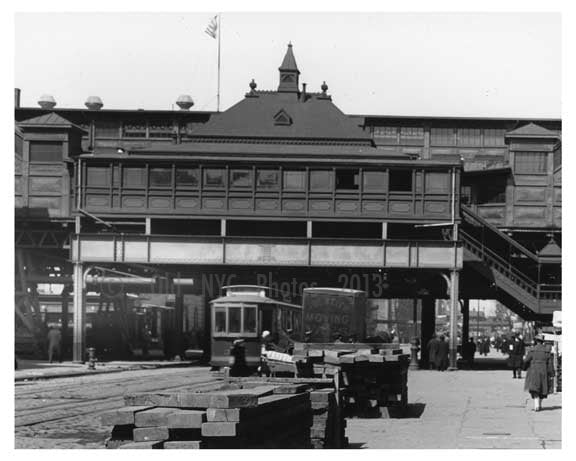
{"x": 540, "y": 372}
{"x": 54, "y": 344}
{"x": 517, "y": 351}
{"x": 442, "y": 354}
{"x": 468, "y": 351}
{"x": 432, "y": 347}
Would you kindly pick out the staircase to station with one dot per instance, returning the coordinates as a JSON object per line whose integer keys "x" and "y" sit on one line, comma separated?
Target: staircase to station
{"x": 521, "y": 278}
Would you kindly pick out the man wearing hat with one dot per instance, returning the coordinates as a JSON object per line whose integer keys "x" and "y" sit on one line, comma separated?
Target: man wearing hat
{"x": 238, "y": 367}
{"x": 517, "y": 351}
{"x": 540, "y": 371}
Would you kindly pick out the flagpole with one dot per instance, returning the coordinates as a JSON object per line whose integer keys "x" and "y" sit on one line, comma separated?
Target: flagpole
{"x": 218, "y": 93}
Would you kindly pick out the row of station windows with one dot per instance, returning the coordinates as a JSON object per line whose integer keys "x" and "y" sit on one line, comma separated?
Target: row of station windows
{"x": 297, "y": 180}
{"x": 471, "y": 137}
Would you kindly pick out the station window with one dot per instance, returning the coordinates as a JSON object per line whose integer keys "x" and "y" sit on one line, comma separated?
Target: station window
{"x": 494, "y": 137}
{"x": 294, "y": 180}
{"x": 234, "y": 319}
{"x": 134, "y": 177}
{"x": 105, "y": 129}
{"x": 214, "y": 177}
{"x": 442, "y": 136}
{"x": 160, "y": 129}
{"x": 160, "y": 177}
{"x": 267, "y": 179}
{"x": 98, "y": 176}
{"x": 135, "y": 129}
{"x": 347, "y": 179}
{"x": 374, "y": 181}
{"x": 187, "y": 177}
{"x": 411, "y": 135}
{"x": 45, "y": 151}
{"x": 321, "y": 180}
{"x": 241, "y": 178}
{"x": 387, "y": 134}
{"x": 400, "y": 181}
{"x": 531, "y": 162}
{"x": 469, "y": 137}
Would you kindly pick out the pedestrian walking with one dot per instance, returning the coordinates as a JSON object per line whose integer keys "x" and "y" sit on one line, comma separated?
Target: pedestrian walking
{"x": 442, "y": 354}
{"x": 485, "y": 346}
{"x": 54, "y": 344}
{"x": 432, "y": 348}
{"x": 540, "y": 371}
{"x": 468, "y": 351}
{"x": 515, "y": 360}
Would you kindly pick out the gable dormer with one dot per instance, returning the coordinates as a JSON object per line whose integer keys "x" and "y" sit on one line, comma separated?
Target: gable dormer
{"x": 282, "y": 118}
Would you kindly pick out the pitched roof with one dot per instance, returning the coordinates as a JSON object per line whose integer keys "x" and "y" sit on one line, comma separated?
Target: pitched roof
{"x": 551, "y": 250}
{"x": 531, "y": 130}
{"x": 51, "y": 119}
{"x": 289, "y": 62}
{"x": 254, "y": 117}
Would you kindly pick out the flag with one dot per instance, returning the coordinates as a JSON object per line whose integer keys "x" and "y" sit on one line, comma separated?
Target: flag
{"x": 212, "y": 27}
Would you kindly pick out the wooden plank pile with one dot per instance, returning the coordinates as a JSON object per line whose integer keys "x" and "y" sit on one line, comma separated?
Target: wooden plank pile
{"x": 235, "y": 415}
{"x": 328, "y": 425}
{"x": 373, "y": 376}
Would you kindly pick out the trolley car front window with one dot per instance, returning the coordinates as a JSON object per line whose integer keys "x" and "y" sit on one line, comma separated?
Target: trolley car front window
{"x": 235, "y": 319}
{"x": 249, "y": 319}
{"x": 220, "y": 321}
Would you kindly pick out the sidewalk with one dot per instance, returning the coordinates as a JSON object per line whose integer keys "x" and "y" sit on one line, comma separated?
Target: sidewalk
{"x": 482, "y": 408}
{"x": 41, "y": 369}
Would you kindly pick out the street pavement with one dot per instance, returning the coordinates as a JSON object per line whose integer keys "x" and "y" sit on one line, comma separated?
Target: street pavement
{"x": 481, "y": 408}
{"x": 41, "y": 369}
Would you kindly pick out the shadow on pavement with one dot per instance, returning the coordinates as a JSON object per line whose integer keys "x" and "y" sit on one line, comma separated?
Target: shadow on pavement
{"x": 356, "y": 445}
{"x": 554, "y": 407}
{"x": 412, "y": 411}
{"x": 485, "y": 363}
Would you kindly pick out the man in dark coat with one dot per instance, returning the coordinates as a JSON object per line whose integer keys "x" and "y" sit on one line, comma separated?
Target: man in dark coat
{"x": 432, "y": 347}
{"x": 468, "y": 351}
{"x": 517, "y": 350}
{"x": 540, "y": 372}
{"x": 54, "y": 344}
{"x": 442, "y": 354}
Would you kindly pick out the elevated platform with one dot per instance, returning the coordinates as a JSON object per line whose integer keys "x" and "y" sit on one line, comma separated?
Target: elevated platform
{"x": 162, "y": 249}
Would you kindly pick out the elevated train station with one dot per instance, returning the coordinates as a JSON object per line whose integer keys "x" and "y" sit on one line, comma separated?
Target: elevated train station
{"x": 282, "y": 187}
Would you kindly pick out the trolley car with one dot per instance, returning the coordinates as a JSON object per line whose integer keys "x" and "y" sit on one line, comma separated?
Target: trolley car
{"x": 244, "y": 312}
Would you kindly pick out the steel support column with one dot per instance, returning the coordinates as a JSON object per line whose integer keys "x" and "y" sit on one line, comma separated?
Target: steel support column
{"x": 427, "y": 329}
{"x": 454, "y": 305}
{"x": 465, "y": 320}
{"x": 79, "y": 333}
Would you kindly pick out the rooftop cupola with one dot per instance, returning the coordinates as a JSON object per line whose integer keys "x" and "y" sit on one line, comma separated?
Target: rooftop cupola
{"x": 288, "y": 73}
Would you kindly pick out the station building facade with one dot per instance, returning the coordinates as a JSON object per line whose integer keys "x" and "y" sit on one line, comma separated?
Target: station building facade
{"x": 282, "y": 189}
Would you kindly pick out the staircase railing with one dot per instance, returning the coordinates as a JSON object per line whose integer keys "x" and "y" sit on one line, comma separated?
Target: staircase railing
{"x": 516, "y": 263}
{"x": 500, "y": 264}
{"x": 472, "y": 218}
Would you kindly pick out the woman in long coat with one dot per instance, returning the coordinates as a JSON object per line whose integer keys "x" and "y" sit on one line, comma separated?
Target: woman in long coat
{"x": 517, "y": 350}
{"x": 540, "y": 372}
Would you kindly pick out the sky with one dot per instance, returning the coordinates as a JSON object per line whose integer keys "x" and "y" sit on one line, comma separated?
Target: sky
{"x": 421, "y": 64}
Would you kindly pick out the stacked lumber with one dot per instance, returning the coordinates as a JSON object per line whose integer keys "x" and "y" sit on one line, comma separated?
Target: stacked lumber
{"x": 372, "y": 376}
{"x": 246, "y": 414}
{"x": 328, "y": 425}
